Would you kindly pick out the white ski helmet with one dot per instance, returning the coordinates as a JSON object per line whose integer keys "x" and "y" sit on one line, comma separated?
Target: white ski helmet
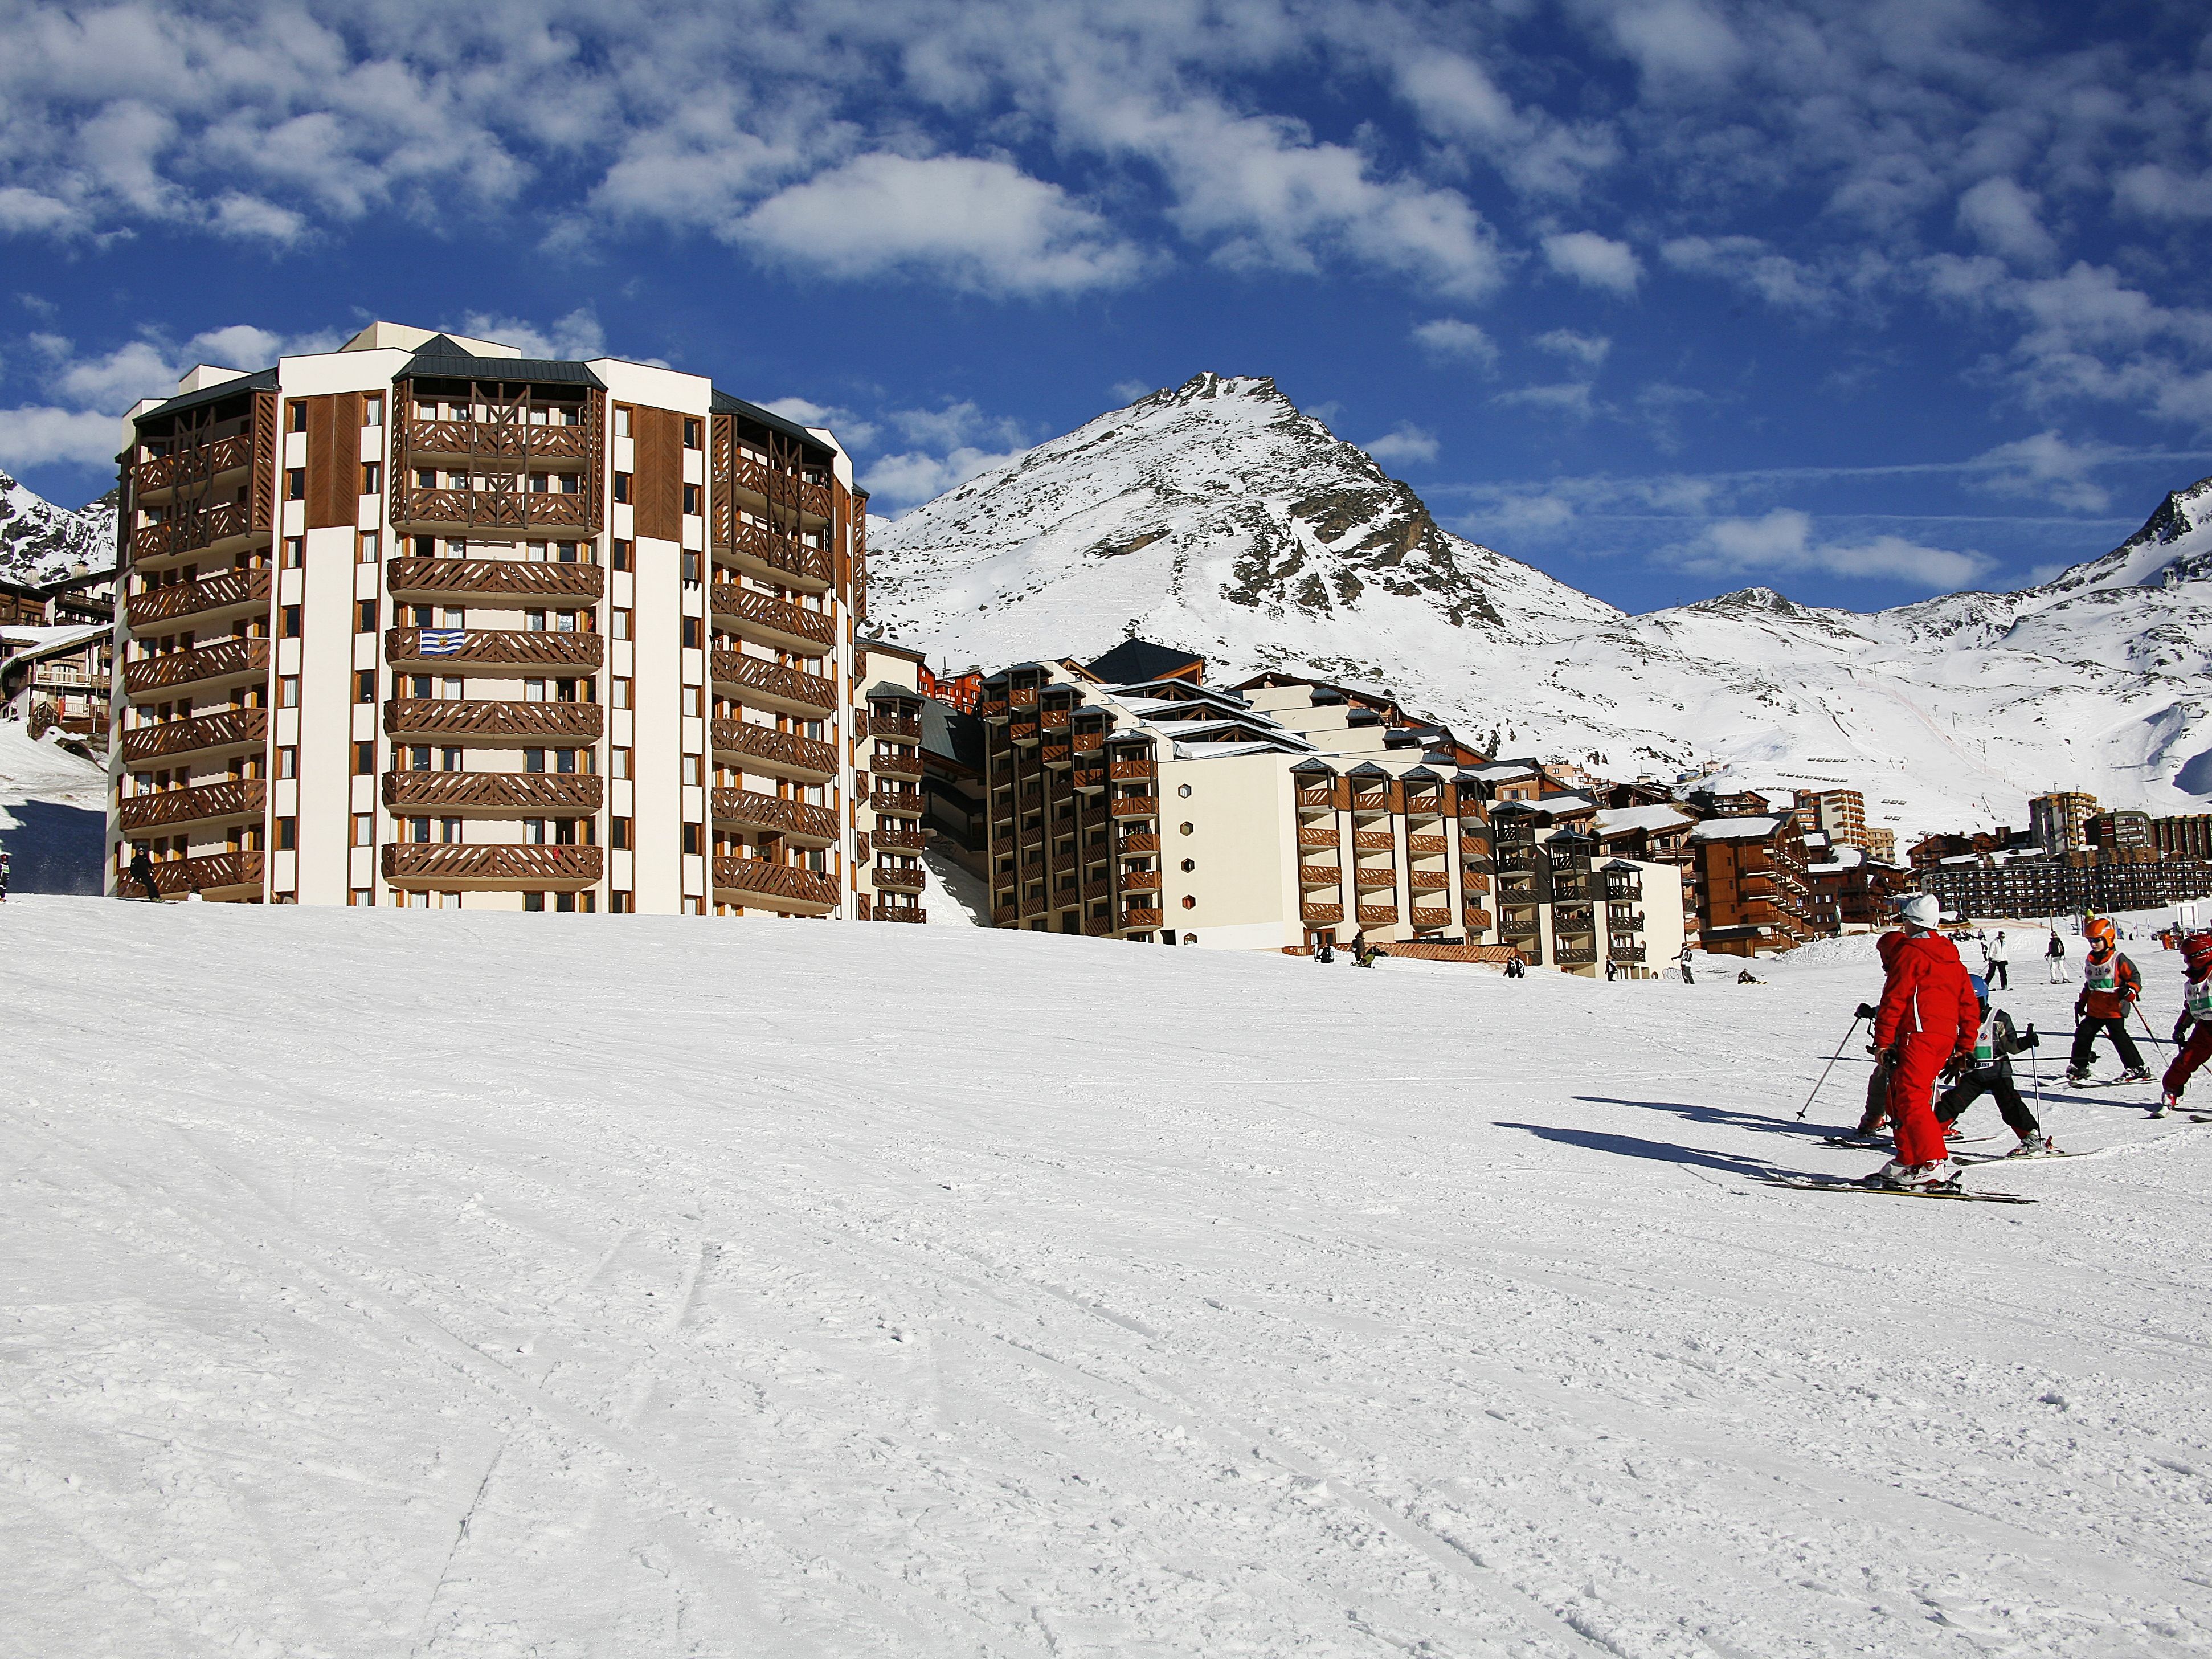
{"x": 1921, "y": 911}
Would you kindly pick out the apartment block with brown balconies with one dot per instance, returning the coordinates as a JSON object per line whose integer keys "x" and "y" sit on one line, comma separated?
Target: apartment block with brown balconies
{"x": 422, "y": 621}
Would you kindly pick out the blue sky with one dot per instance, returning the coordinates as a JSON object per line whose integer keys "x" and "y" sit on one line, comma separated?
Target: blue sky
{"x": 1862, "y": 301}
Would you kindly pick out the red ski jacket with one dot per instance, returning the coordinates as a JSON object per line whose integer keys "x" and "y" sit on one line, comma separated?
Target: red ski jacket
{"x": 1928, "y": 998}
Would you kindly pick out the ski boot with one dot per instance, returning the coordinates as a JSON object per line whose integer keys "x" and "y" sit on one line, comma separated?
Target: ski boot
{"x": 2077, "y": 1075}
{"x": 2034, "y": 1146}
{"x": 2135, "y": 1074}
{"x": 2166, "y": 1103}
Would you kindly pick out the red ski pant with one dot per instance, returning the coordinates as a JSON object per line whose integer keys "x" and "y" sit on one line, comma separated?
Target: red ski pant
{"x": 2194, "y": 1053}
{"x": 1912, "y": 1101}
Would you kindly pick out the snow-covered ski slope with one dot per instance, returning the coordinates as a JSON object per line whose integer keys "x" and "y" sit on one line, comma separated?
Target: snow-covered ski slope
{"x": 1218, "y": 517}
{"x": 442, "y": 1283}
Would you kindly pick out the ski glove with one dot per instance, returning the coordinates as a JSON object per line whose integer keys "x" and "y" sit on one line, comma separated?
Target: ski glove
{"x": 2027, "y": 1039}
{"x": 1866, "y": 1011}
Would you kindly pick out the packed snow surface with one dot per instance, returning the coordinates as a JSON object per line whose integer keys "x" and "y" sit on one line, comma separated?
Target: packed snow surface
{"x": 444, "y": 1283}
{"x": 1218, "y": 518}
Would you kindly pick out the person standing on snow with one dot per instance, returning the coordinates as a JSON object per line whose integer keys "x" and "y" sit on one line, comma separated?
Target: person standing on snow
{"x": 1684, "y": 958}
{"x": 2109, "y": 986}
{"x": 1927, "y": 1015}
{"x": 142, "y": 872}
{"x": 1989, "y": 1072}
{"x": 2193, "y": 1031}
{"x": 1885, "y": 1062}
{"x": 1999, "y": 955}
{"x": 2054, "y": 955}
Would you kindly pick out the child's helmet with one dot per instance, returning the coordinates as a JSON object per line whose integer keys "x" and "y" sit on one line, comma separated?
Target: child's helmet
{"x": 2197, "y": 952}
{"x": 1981, "y": 988}
{"x": 2101, "y": 932}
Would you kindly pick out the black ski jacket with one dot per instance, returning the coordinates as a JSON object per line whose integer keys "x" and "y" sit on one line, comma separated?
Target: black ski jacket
{"x": 2005, "y": 1041}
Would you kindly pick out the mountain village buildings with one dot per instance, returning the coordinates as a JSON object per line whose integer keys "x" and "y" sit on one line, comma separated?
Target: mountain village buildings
{"x": 422, "y": 621}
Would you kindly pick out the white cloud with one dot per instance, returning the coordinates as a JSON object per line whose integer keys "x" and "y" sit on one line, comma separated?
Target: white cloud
{"x": 1129, "y": 391}
{"x": 1752, "y": 264}
{"x": 852, "y": 432}
{"x": 27, "y": 211}
{"x": 2047, "y": 465}
{"x": 902, "y": 480}
{"x": 41, "y": 435}
{"x": 1402, "y": 443}
{"x": 1571, "y": 398}
{"x": 983, "y": 225}
{"x": 1594, "y": 261}
{"x": 1589, "y": 348}
{"x": 2004, "y": 217}
{"x": 1671, "y": 39}
{"x": 1781, "y": 541}
{"x": 250, "y": 218}
{"x": 2154, "y": 191}
{"x": 576, "y": 336}
{"x": 1449, "y": 337}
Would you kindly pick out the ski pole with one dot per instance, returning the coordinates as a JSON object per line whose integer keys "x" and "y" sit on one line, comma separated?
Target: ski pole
{"x": 1830, "y": 1066}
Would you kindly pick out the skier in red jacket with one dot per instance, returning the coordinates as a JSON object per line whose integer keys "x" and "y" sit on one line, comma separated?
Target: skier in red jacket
{"x": 1929, "y": 1015}
{"x": 2192, "y": 1032}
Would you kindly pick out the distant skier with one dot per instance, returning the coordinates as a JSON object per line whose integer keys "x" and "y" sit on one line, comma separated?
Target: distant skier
{"x": 1515, "y": 966}
{"x": 2109, "y": 986}
{"x": 1684, "y": 958}
{"x": 2193, "y": 1031}
{"x": 4, "y": 862}
{"x": 1999, "y": 958}
{"x": 1927, "y": 1015}
{"x": 142, "y": 872}
{"x": 1987, "y": 1071}
{"x": 1326, "y": 950}
{"x": 2054, "y": 955}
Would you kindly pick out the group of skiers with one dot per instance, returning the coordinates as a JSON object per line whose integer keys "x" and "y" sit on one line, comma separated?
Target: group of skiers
{"x": 1935, "y": 1024}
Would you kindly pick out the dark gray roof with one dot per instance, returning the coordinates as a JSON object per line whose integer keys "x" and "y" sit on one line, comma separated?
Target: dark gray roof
{"x": 1137, "y": 662}
{"x": 723, "y": 403}
{"x": 264, "y": 381}
{"x": 438, "y": 358}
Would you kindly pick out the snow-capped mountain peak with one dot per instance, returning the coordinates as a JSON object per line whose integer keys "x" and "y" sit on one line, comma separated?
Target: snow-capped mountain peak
{"x": 40, "y": 541}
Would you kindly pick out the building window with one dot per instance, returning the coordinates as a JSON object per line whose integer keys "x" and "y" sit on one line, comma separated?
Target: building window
{"x": 295, "y": 551}
{"x": 622, "y": 619}
{"x": 690, "y": 838}
{"x": 366, "y": 550}
{"x": 622, "y": 421}
{"x": 690, "y": 560}
{"x": 372, "y": 477}
{"x": 690, "y": 436}
{"x": 1189, "y": 864}
{"x": 449, "y": 760}
{"x": 298, "y": 416}
{"x": 364, "y": 829}
{"x": 288, "y": 763}
{"x": 622, "y": 487}
{"x": 287, "y": 691}
{"x": 690, "y": 498}
{"x": 533, "y": 900}
{"x": 622, "y": 693}
{"x": 361, "y": 896}
{"x": 364, "y": 685}
{"x": 1184, "y": 792}
{"x": 622, "y": 904}
{"x": 372, "y": 410}
{"x": 621, "y": 553}
{"x": 618, "y": 762}
{"x": 691, "y": 769}
{"x": 691, "y": 634}
{"x": 364, "y": 757}
{"x": 618, "y": 834}
{"x": 296, "y": 483}
{"x": 1188, "y": 903}
{"x": 365, "y": 617}
{"x": 289, "y": 622}
{"x": 1185, "y": 829}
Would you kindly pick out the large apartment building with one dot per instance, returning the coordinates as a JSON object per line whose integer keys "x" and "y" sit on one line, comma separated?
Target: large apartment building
{"x": 424, "y": 622}
{"x": 1287, "y": 812}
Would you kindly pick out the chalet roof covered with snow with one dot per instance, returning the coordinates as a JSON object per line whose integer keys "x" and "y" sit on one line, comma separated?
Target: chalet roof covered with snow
{"x": 1749, "y": 828}
{"x": 1629, "y": 820}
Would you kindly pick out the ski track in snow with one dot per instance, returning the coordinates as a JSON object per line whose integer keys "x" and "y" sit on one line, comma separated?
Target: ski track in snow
{"x": 429, "y": 1283}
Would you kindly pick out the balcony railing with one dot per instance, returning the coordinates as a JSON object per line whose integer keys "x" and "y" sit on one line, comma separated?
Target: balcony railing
{"x": 215, "y": 873}
{"x": 1476, "y": 917}
{"x": 1474, "y": 881}
{"x": 415, "y": 579}
{"x": 496, "y": 440}
{"x": 225, "y": 591}
{"x": 751, "y": 809}
{"x": 767, "y": 886}
{"x": 511, "y": 512}
{"x": 1098, "y": 927}
{"x": 1519, "y": 928}
{"x": 1133, "y": 769}
{"x": 1316, "y": 797}
{"x": 1626, "y": 952}
{"x": 1141, "y": 919}
{"x": 1138, "y": 881}
{"x": 1367, "y": 880}
{"x": 1005, "y": 915}
{"x": 768, "y": 620}
{"x": 1322, "y": 914}
{"x": 1143, "y": 841}
{"x": 1136, "y": 807}
{"x": 192, "y": 464}
{"x": 1627, "y": 920}
{"x": 892, "y": 838}
{"x": 781, "y": 754}
{"x": 1320, "y": 875}
{"x": 1427, "y": 881}
{"x": 759, "y": 551}
{"x": 1426, "y": 847}
{"x": 1568, "y": 956}
{"x": 767, "y": 684}
{"x": 496, "y": 794}
{"x": 775, "y": 484}
{"x": 232, "y": 728}
{"x": 450, "y": 865}
{"x": 226, "y": 661}
{"x": 892, "y": 764}
{"x": 894, "y": 725}
{"x": 895, "y": 878}
{"x": 1377, "y": 915}
{"x": 1371, "y": 800}
{"x": 1424, "y": 916}
{"x": 1373, "y": 840}
{"x": 189, "y": 532}
{"x": 496, "y": 651}
{"x": 166, "y": 810}
{"x": 1317, "y": 835}
{"x": 494, "y": 721}
{"x": 900, "y": 912}
{"x": 900, "y": 803}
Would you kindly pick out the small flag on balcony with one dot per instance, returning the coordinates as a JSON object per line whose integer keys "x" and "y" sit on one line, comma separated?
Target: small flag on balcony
{"x": 440, "y": 641}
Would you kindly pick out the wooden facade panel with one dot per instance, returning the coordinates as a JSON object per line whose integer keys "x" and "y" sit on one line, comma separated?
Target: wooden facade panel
{"x": 657, "y": 487}
{"x": 333, "y": 461}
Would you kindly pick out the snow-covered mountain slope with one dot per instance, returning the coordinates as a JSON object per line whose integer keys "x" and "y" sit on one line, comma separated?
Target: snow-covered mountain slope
{"x": 1218, "y": 518}
{"x": 40, "y": 541}
{"x": 53, "y": 813}
{"x": 537, "y": 1327}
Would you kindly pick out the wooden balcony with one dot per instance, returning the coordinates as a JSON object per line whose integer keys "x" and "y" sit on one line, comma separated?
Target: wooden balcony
{"x": 738, "y": 472}
{"x": 1427, "y": 881}
{"x": 777, "y": 623}
{"x": 1005, "y": 915}
{"x": 226, "y": 593}
{"x": 1322, "y": 914}
{"x": 1377, "y": 915}
{"x": 150, "y": 746}
{"x": 1474, "y": 881}
{"x": 502, "y": 514}
{"x": 761, "y": 553}
{"x": 1571, "y": 956}
{"x": 167, "y": 811}
{"x": 193, "y": 464}
{"x": 1098, "y": 927}
{"x": 795, "y": 820}
{"x": 1317, "y": 835}
{"x": 196, "y": 672}
{"x": 991, "y": 710}
{"x": 1368, "y": 879}
{"x": 1573, "y": 918}
{"x": 1428, "y": 847}
{"x": 896, "y": 880}
{"x": 1139, "y": 881}
{"x": 760, "y": 683}
{"x": 1143, "y": 841}
{"x": 757, "y": 748}
{"x": 900, "y": 912}
{"x": 894, "y": 725}
{"x": 226, "y": 526}
{"x": 1089, "y": 780}
{"x": 1374, "y": 841}
{"x": 1519, "y": 928}
{"x": 1620, "y": 952}
{"x": 1477, "y": 918}
{"x": 1056, "y": 754}
{"x": 1133, "y": 769}
{"x": 1371, "y": 800}
{"x": 1141, "y": 919}
{"x": 1625, "y": 920}
{"x": 493, "y": 722}
{"x": 1135, "y": 806}
{"x": 892, "y": 764}
{"x": 506, "y": 583}
{"x": 899, "y": 803}
{"x": 1618, "y": 891}
{"x": 1320, "y": 875}
{"x": 759, "y": 885}
{"x": 1323, "y": 797}
{"x": 1102, "y": 887}
{"x": 485, "y": 651}
{"x": 896, "y": 838}
{"x": 452, "y": 866}
{"x": 495, "y": 440}
{"x": 494, "y": 794}
{"x": 1423, "y": 916}
{"x": 218, "y": 874}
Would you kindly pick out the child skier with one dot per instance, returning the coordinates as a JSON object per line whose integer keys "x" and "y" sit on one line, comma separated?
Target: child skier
{"x": 2192, "y": 1032}
{"x": 1927, "y": 1015}
{"x": 2109, "y": 986}
{"x": 2055, "y": 954}
{"x": 1987, "y": 1071}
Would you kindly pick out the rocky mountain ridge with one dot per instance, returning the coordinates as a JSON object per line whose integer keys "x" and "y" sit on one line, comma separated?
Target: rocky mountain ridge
{"x": 1218, "y": 517}
{"x": 40, "y": 541}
